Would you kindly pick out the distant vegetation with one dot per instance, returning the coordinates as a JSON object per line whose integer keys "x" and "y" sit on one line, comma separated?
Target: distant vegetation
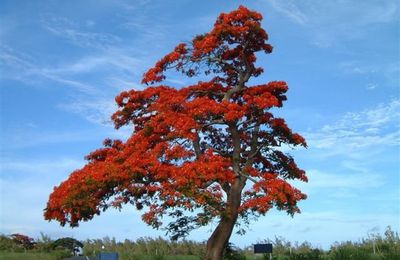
{"x": 17, "y": 246}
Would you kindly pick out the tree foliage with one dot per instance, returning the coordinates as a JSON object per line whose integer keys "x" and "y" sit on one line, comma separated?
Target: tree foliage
{"x": 23, "y": 241}
{"x": 194, "y": 149}
{"x": 67, "y": 243}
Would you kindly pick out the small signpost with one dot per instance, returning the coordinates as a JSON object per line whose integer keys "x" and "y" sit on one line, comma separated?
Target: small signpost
{"x": 108, "y": 256}
{"x": 263, "y": 249}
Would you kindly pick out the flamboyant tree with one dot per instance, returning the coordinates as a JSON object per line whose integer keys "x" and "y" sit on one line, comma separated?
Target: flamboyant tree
{"x": 209, "y": 151}
{"x": 23, "y": 241}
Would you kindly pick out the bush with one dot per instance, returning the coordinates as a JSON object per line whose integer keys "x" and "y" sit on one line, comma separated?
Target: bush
{"x": 68, "y": 243}
{"x": 6, "y": 243}
{"x": 23, "y": 241}
{"x": 233, "y": 253}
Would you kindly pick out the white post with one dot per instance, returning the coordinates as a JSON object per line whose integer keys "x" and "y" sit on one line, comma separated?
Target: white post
{"x": 373, "y": 245}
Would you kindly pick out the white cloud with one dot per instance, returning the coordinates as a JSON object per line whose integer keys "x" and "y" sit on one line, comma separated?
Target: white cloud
{"x": 290, "y": 9}
{"x": 346, "y": 183}
{"x": 337, "y": 20}
{"x": 97, "y": 111}
{"x": 371, "y": 86}
{"x": 352, "y": 158}
{"x": 24, "y": 189}
{"x": 73, "y": 32}
{"x": 25, "y": 186}
{"x": 19, "y": 137}
{"x": 114, "y": 60}
{"x": 38, "y": 167}
{"x": 121, "y": 83}
{"x": 94, "y": 103}
{"x": 375, "y": 127}
{"x": 348, "y": 180}
{"x": 83, "y": 65}
{"x": 24, "y": 68}
{"x": 388, "y": 71}
{"x": 336, "y": 225}
{"x": 136, "y": 5}
{"x": 176, "y": 81}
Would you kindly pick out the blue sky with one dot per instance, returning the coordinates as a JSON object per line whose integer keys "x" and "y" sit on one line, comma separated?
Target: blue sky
{"x": 63, "y": 62}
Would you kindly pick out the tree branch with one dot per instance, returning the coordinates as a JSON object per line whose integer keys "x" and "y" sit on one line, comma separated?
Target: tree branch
{"x": 222, "y": 153}
{"x": 244, "y": 76}
{"x": 196, "y": 146}
{"x": 248, "y": 177}
{"x": 214, "y": 122}
{"x": 220, "y": 60}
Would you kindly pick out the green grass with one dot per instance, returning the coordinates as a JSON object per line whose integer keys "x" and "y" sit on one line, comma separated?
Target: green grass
{"x": 161, "y": 257}
{"x": 61, "y": 255}
{"x": 157, "y": 257}
{"x": 32, "y": 256}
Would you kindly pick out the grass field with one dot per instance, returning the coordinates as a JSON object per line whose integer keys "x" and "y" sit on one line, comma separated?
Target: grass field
{"x": 31, "y": 256}
{"x": 385, "y": 247}
{"x": 60, "y": 256}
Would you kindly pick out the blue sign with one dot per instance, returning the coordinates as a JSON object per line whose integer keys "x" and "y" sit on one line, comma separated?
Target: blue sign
{"x": 108, "y": 256}
{"x": 262, "y": 248}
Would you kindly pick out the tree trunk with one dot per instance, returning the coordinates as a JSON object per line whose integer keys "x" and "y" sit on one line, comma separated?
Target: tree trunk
{"x": 219, "y": 239}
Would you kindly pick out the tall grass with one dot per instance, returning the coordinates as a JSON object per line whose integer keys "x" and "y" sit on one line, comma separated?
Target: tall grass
{"x": 376, "y": 246}
{"x": 145, "y": 246}
{"x": 55, "y": 255}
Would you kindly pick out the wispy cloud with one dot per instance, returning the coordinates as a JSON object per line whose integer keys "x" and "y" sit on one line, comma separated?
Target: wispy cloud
{"x": 333, "y": 21}
{"x": 331, "y": 222}
{"x": 353, "y": 157}
{"x": 94, "y": 102}
{"x": 23, "y": 138}
{"x": 371, "y": 86}
{"x": 123, "y": 83}
{"x": 25, "y": 186}
{"x": 389, "y": 71}
{"x": 24, "y": 189}
{"x": 38, "y": 167}
{"x": 140, "y": 24}
{"x": 290, "y": 9}
{"x": 356, "y": 131}
{"x": 96, "y": 110}
{"x": 19, "y": 66}
{"x": 136, "y": 5}
{"x": 75, "y": 33}
{"x": 340, "y": 183}
{"x": 349, "y": 180}
{"x": 113, "y": 61}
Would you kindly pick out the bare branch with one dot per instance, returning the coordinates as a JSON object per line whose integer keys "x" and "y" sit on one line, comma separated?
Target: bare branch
{"x": 222, "y": 153}
{"x": 248, "y": 177}
{"x": 244, "y": 76}
{"x": 214, "y": 122}
{"x": 196, "y": 146}
{"x": 250, "y": 127}
{"x": 217, "y": 93}
{"x": 254, "y": 140}
{"x": 207, "y": 184}
{"x": 247, "y": 121}
{"x": 226, "y": 187}
{"x": 221, "y": 61}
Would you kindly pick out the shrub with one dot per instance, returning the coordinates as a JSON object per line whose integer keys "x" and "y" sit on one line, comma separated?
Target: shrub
{"x": 23, "y": 241}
